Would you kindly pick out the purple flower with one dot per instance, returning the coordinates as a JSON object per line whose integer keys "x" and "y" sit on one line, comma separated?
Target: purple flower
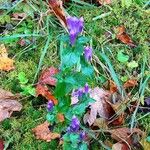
{"x": 86, "y": 88}
{"x": 88, "y": 53}
{"x": 50, "y": 105}
{"x": 75, "y": 27}
{"x": 78, "y": 93}
{"x": 75, "y": 125}
{"x": 82, "y": 135}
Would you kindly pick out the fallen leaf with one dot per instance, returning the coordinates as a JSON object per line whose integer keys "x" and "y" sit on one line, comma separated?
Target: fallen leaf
{"x": 1, "y": 144}
{"x": 60, "y": 117}
{"x": 125, "y": 134}
{"x": 6, "y": 64}
{"x": 42, "y": 132}
{"x": 112, "y": 87}
{"x": 130, "y": 83}
{"x": 47, "y": 76}
{"x": 120, "y": 146}
{"x": 58, "y": 10}
{"x": 100, "y": 107}
{"x": 44, "y": 91}
{"x": 8, "y": 104}
{"x": 104, "y": 2}
{"x": 124, "y": 37}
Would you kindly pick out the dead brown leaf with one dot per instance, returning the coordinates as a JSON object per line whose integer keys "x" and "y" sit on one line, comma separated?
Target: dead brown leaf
{"x": 42, "y": 132}
{"x": 8, "y": 104}
{"x": 18, "y": 16}
{"x": 58, "y": 10}
{"x": 100, "y": 107}
{"x": 47, "y": 76}
{"x": 124, "y": 37}
{"x": 124, "y": 134}
{"x": 6, "y": 64}
{"x": 112, "y": 87}
{"x": 44, "y": 91}
{"x": 130, "y": 83}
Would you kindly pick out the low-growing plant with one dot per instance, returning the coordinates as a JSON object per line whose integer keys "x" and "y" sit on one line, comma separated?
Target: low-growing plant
{"x": 72, "y": 88}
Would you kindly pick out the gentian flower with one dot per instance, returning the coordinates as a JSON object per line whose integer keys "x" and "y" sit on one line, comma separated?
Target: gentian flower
{"x": 86, "y": 88}
{"x": 78, "y": 92}
{"x": 88, "y": 53}
{"x": 75, "y": 125}
{"x": 82, "y": 135}
{"x": 50, "y": 105}
{"x": 75, "y": 27}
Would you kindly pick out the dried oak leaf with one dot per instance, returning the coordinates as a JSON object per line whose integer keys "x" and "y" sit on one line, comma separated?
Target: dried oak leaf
{"x": 100, "y": 107}
{"x": 58, "y": 10}
{"x": 6, "y": 64}
{"x": 44, "y": 91}
{"x": 42, "y": 132}
{"x": 18, "y": 16}
{"x": 130, "y": 83}
{"x": 8, "y": 104}
{"x": 124, "y": 37}
{"x": 47, "y": 76}
{"x": 103, "y": 2}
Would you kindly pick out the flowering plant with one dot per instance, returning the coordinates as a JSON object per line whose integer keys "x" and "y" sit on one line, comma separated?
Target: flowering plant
{"x": 72, "y": 88}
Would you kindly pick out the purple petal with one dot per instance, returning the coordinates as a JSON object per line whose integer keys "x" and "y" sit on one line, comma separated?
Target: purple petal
{"x": 88, "y": 53}
{"x": 82, "y": 135}
{"x": 75, "y": 124}
{"x": 86, "y": 88}
{"x": 50, "y": 105}
{"x": 75, "y": 27}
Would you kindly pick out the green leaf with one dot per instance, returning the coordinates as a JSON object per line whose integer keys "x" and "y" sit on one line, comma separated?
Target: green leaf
{"x": 62, "y": 89}
{"x": 28, "y": 90}
{"x": 132, "y": 64}
{"x": 22, "y": 78}
{"x": 122, "y": 57}
{"x": 74, "y": 138}
{"x": 88, "y": 71}
{"x": 148, "y": 139}
{"x": 83, "y": 146}
{"x": 126, "y": 3}
{"x": 50, "y": 118}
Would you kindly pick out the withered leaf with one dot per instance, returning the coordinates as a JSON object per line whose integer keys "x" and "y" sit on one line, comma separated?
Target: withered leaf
{"x": 112, "y": 87}
{"x": 58, "y": 10}
{"x": 44, "y": 91}
{"x": 47, "y": 76}
{"x": 60, "y": 117}
{"x": 124, "y": 37}
{"x": 42, "y": 132}
{"x": 8, "y": 104}
{"x": 125, "y": 134}
{"x": 130, "y": 83}
{"x": 100, "y": 107}
{"x": 6, "y": 64}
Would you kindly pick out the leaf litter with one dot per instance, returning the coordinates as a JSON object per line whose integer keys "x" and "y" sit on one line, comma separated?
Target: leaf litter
{"x": 8, "y": 104}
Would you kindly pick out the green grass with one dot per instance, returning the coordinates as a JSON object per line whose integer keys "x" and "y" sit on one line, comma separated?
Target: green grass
{"x": 17, "y": 130}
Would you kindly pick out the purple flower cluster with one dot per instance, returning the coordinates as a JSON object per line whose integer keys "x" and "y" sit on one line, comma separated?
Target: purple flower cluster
{"x": 50, "y": 105}
{"x": 75, "y": 125}
{"x": 79, "y": 92}
{"x": 88, "y": 53}
{"x": 75, "y": 27}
